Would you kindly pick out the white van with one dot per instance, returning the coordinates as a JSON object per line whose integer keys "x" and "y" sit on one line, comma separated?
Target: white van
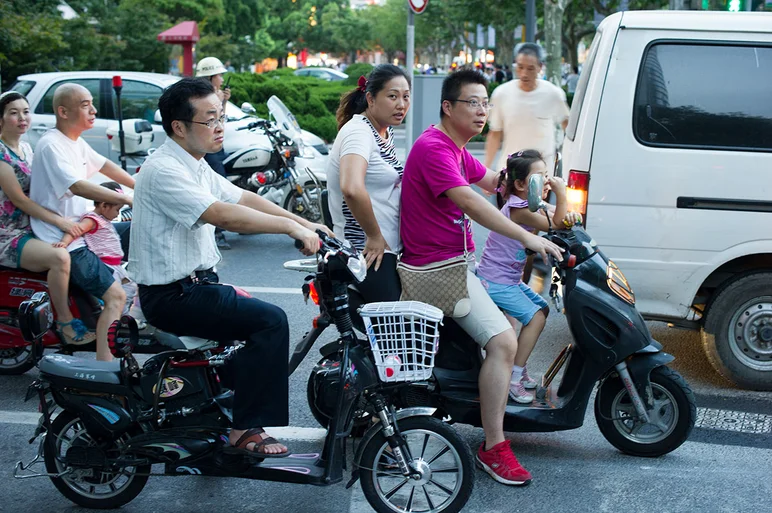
{"x": 668, "y": 152}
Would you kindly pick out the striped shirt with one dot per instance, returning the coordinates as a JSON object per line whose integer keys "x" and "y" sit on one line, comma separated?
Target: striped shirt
{"x": 382, "y": 181}
{"x": 169, "y": 240}
{"x": 103, "y": 239}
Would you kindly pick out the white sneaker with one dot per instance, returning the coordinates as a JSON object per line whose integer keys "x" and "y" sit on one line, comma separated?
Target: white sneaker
{"x": 519, "y": 394}
{"x": 528, "y": 382}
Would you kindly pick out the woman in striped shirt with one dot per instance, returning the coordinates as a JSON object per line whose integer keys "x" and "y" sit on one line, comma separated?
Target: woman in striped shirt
{"x": 364, "y": 176}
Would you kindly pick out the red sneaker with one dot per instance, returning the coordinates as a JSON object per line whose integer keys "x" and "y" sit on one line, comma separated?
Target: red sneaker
{"x": 500, "y": 463}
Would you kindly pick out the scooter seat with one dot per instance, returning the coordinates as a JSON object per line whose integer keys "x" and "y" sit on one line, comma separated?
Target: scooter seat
{"x": 81, "y": 369}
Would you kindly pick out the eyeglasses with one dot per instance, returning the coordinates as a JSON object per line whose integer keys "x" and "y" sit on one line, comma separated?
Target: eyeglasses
{"x": 476, "y": 104}
{"x": 212, "y": 122}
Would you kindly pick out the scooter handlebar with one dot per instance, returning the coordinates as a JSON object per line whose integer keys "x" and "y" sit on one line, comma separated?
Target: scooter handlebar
{"x": 323, "y": 238}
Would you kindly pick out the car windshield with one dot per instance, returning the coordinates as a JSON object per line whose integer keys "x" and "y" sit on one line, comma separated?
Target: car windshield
{"x": 22, "y": 86}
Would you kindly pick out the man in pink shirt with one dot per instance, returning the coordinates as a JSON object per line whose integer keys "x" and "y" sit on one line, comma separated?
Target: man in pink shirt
{"x": 436, "y": 194}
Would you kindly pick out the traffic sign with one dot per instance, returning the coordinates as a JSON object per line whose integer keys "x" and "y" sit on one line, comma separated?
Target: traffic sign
{"x": 418, "y": 6}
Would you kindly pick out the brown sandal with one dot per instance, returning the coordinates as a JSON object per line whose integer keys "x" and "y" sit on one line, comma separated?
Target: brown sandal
{"x": 253, "y": 436}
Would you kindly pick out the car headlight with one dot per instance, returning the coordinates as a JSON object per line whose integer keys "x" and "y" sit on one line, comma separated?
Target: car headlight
{"x": 618, "y": 283}
{"x": 358, "y": 268}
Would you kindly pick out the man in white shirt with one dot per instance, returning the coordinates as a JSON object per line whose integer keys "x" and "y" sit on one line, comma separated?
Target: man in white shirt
{"x": 59, "y": 182}
{"x": 525, "y": 112}
{"x": 178, "y": 202}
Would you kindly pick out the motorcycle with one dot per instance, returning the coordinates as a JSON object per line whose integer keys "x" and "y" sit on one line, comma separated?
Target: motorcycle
{"x": 117, "y": 419}
{"x": 642, "y": 407}
{"x": 18, "y": 355}
{"x": 278, "y": 169}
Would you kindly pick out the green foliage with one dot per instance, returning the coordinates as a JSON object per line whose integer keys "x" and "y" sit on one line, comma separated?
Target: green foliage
{"x": 313, "y": 101}
{"x": 355, "y": 71}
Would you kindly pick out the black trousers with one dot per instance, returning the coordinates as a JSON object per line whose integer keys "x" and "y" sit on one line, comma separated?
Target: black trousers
{"x": 258, "y": 371}
{"x": 383, "y": 284}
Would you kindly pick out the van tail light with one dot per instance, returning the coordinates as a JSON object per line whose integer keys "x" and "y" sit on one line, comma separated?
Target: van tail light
{"x": 576, "y": 192}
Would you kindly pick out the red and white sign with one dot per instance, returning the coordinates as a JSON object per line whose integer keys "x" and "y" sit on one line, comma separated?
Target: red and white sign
{"x": 418, "y": 6}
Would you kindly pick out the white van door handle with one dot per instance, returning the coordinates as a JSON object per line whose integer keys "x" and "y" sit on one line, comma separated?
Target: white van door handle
{"x": 40, "y": 128}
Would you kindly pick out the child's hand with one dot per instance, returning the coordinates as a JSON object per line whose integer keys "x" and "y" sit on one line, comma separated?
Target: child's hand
{"x": 59, "y": 244}
{"x": 571, "y": 219}
{"x": 557, "y": 185}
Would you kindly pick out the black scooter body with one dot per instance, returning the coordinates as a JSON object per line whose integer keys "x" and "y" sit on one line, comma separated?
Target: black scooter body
{"x": 605, "y": 328}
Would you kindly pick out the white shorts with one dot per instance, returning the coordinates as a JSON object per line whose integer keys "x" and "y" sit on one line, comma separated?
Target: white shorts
{"x": 485, "y": 320}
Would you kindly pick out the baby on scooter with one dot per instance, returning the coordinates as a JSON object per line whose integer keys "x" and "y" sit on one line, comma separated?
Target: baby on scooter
{"x": 503, "y": 260}
{"x": 103, "y": 240}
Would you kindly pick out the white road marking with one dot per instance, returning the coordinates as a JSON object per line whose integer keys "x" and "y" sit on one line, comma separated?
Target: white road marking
{"x": 289, "y": 433}
{"x": 272, "y": 290}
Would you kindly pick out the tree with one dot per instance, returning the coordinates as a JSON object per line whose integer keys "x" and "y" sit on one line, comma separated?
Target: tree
{"x": 31, "y": 40}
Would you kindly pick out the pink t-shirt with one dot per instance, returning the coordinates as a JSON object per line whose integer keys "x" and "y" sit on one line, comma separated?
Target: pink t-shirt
{"x": 430, "y": 223}
{"x": 103, "y": 239}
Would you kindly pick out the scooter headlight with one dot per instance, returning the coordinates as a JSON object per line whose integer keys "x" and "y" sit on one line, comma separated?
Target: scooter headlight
{"x": 357, "y": 267}
{"x": 618, "y": 283}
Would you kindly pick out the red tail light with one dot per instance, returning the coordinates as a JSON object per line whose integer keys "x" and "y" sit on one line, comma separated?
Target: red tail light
{"x": 314, "y": 294}
{"x": 577, "y": 191}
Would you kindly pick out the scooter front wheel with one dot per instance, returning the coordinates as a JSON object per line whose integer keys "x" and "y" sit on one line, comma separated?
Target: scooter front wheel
{"x": 437, "y": 452}
{"x": 671, "y": 416}
{"x": 16, "y": 360}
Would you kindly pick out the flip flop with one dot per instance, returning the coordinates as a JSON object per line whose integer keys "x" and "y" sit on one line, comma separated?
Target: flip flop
{"x": 258, "y": 451}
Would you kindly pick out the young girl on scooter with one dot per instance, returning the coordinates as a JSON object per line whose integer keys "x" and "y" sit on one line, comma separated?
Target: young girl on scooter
{"x": 103, "y": 240}
{"x": 503, "y": 260}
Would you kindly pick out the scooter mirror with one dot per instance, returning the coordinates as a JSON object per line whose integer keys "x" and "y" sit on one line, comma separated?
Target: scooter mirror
{"x": 535, "y": 192}
{"x": 247, "y": 108}
{"x": 157, "y": 117}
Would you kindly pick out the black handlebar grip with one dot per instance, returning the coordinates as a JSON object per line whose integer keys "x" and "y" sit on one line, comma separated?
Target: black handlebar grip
{"x": 529, "y": 252}
{"x": 299, "y": 244}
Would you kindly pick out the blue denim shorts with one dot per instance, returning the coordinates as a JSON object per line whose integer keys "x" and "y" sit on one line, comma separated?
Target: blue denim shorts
{"x": 90, "y": 273}
{"x": 519, "y": 301}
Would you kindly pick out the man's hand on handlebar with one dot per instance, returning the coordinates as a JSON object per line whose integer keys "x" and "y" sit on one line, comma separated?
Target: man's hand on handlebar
{"x": 543, "y": 247}
{"x": 308, "y": 238}
{"x": 316, "y": 227}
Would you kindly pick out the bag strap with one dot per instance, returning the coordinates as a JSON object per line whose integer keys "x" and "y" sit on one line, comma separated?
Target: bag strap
{"x": 463, "y": 218}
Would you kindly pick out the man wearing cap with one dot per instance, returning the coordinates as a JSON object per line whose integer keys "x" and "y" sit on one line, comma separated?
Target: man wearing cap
{"x": 212, "y": 69}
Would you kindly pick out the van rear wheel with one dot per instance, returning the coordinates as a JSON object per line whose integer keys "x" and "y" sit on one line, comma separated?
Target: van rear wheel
{"x": 737, "y": 335}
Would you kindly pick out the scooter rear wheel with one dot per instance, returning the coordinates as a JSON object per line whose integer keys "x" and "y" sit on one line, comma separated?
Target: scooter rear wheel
{"x": 438, "y": 452}
{"x": 672, "y": 415}
{"x": 98, "y": 488}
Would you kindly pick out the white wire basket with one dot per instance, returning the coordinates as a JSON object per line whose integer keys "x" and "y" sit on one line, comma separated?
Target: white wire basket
{"x": 404, "y": 337}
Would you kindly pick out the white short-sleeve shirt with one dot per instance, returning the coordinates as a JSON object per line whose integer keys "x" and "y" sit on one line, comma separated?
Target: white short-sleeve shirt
{"x": 383, "y": 182}
{"x": 59, "y": 163}
{"x": 528, "y": 119}
{"x": 169, "y": 240}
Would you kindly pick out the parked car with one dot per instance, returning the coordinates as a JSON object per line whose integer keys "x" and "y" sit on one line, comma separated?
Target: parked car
{"x": 327, "y": 74}
{"x": 139, "y": 99}
{"x": 668, "y": 151}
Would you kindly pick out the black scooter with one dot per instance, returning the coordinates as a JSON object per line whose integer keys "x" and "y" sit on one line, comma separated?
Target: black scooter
{"x": 117, "y": 419}
{"x": 642, "y": 407}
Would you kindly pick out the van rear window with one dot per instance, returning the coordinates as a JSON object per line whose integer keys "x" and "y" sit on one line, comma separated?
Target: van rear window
{"x": 705, "y": 95}
{"x": 581, "y": 88}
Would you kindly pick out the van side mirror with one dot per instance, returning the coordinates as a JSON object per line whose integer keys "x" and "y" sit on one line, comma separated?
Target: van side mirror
{"x": 535, "y": 193}
{"x": 247, "y": 108}
{"x": 157, "y": 117}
